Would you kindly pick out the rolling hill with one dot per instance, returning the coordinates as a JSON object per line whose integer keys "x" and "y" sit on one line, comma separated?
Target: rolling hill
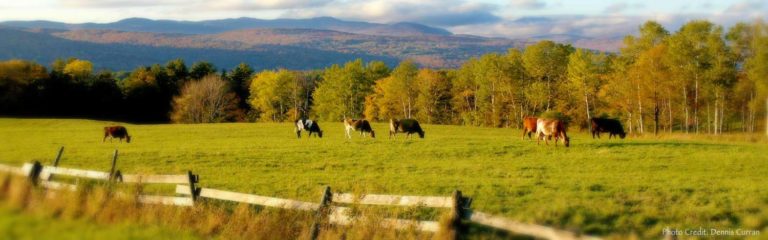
{"x": 45, "y": 48}
{"x": 225, "y": 25}
{"x": 289, "y": 43}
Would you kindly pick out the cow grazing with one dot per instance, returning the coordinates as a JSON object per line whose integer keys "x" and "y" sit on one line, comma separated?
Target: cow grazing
{"x": 529, "y": 126}
{"x": 548, "y": 127}
{"x": 611, "y": 126}
{"x": 116, "y": 132}
{"x": 361, "y": 125}
{"x": 408, "y": 126}
{"x": 308, "y": 125}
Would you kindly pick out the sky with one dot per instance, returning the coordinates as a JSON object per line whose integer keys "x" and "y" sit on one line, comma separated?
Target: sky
{"x": 491, "y": 18}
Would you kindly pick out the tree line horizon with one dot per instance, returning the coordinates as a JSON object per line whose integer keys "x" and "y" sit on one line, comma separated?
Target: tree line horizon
{"x": 699, "y": 79}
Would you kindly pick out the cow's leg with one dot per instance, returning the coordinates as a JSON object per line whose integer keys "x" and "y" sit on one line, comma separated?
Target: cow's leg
{"x": 298, "y": 133}
{"x": 538, "y": 138}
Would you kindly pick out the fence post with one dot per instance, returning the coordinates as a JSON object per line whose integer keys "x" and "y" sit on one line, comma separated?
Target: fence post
{"x": 194, "y": 191}
{"x": 55, "y": 163}
{"x": 321, "y": 212}
{"x": 33, "y": 173}
{"x": 456, "y": 215}
{"x": 58, "y": 157}
{"x": 114, "y": 165}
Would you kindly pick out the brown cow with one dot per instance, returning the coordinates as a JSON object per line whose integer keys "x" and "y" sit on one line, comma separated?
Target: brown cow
{"x": 549, "y": 127}
{"x": 116, "y": 132}
{"x": 361, "y": 125}
{"x": 529, "y": 126}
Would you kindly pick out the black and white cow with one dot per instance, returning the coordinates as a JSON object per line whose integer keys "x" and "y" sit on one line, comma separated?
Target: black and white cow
{"x": 408, "y": 126}
{"x": 309, "y": 126}
{"x": 361, "y": 125}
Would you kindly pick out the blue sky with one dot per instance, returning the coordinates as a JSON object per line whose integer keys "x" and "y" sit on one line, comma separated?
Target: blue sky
{"x": 497, "y": 18}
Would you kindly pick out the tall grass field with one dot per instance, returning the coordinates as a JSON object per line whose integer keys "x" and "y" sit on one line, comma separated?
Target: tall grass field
{"x": 637, "y": 186}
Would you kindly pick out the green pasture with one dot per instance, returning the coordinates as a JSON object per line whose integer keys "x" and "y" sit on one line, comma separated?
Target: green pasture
{"x": 631, "y": 186}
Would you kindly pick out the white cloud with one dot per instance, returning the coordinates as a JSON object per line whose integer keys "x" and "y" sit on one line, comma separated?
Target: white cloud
{"x": 118, "y": 3}
{"x": 262, "y": 4}
{"x": 528, "y": 4}
{"x": 744, "y": 6}
{"x": 431, "y": 12}
{"x": 615, "y": 8}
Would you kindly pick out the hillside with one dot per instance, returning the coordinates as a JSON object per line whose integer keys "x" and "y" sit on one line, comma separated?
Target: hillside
{"x": 45, "y": 48}
{"x": 427, "y": 50}
{"x": 291, "y": 43}
{"x": 224, "y": 25}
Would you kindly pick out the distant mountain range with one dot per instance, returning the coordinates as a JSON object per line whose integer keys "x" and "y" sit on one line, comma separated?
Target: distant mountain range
{"x": 287, "y": 43}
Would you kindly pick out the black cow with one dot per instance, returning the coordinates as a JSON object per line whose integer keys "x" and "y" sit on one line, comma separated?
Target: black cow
{"x": 611, "y": 126}
{"x": 408, "y": 126}
{"x": 309, "y": 126}
{"x": 116, "y": 132}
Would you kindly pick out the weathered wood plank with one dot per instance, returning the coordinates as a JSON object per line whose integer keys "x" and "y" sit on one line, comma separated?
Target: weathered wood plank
{"x": 58, "y": 185}
{"x": 178, "y": 179}
{"x": 178, "y": 201}
{"x": 47, "y": 171}
{"x": 376, "y": 199}
{"x": 523, "y": 228}
{"x": 13, "y": 170}
{"x": 183, "y": 190}
{"x": 250, "y": 198}
{"x": 26, "y": 169}
{"x": 342, "y": 216}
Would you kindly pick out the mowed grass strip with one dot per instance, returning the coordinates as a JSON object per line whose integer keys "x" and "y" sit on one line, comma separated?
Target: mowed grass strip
{"x": 630, "y": 186}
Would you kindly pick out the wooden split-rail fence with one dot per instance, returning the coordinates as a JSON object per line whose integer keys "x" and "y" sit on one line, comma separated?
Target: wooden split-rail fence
{"x": 330, "y": 209}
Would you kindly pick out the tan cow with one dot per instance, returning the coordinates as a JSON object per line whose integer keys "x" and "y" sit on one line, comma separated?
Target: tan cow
{"x": 548, "y": 127}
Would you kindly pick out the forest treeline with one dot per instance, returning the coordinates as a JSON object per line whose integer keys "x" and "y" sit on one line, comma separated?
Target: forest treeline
{"x": 701, "y": 78}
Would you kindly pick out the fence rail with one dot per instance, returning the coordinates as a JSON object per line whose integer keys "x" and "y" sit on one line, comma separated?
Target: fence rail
{"x": 186, "y": 186}
{"x": 376, "y": 199}
{"x": 249, "y": 198}
{"x": 168, "y": 179}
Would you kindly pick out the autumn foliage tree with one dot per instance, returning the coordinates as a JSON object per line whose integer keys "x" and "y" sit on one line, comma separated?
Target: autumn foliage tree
{"x": 207, "y": 100}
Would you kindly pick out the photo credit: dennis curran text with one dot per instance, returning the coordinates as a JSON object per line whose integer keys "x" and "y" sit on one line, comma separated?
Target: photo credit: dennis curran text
{"x": 710, "y": 232}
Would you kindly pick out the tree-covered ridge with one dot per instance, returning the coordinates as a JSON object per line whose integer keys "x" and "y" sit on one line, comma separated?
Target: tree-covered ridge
{"x": 438, "y": 51}
{"x": 701, "y": 78}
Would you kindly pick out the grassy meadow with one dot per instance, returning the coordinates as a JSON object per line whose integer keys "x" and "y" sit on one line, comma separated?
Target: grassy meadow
{"x": 635, "y": 186}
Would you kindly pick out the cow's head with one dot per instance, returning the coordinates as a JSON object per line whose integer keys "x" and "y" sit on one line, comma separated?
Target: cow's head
{"x": 421, "y": 134}
{"x": 567, "y": 141}
{"x": 622, "y": 135}
{"x": 373, "y": 135}
{"x": 320, "y": 134}
{"x": 128, "y": 139}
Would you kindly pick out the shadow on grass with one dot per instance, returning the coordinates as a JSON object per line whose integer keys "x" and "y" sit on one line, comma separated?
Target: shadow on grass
{"x": 656, "y": 144}
{"x": 477, "y": 231}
